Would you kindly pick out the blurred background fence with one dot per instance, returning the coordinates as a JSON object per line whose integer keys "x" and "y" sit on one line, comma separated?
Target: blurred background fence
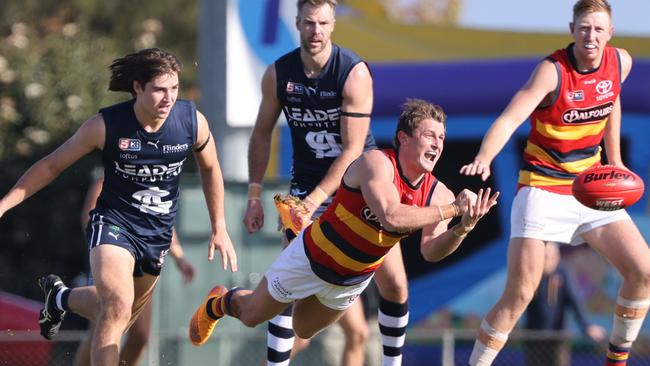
{"x": 235, "y": 347}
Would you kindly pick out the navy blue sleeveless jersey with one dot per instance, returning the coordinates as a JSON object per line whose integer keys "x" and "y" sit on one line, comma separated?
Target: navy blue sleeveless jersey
{"x": 142, "y": 169}
{"x": 313, "y": 111}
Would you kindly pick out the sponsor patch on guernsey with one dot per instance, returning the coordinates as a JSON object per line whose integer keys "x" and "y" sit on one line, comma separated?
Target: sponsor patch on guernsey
{"x": 126, "y": 144}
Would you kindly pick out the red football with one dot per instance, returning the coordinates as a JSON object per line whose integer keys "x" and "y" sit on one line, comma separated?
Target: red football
{"x": 607, "y": 188}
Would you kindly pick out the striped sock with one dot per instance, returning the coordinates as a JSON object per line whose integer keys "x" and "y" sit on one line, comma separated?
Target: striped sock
{"x": 279, "y": 340}
{"x": 393, "y": 319}
{"x": 218, "y": 307}
{"x": 61, "y": 299}
{"x": 617, "y": 356}
{"x": 214, "y": 309}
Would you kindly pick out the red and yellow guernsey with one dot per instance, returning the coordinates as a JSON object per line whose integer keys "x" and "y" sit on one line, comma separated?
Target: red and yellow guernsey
{"x": 565, "y": 136}
{"x": 347, "y": 243}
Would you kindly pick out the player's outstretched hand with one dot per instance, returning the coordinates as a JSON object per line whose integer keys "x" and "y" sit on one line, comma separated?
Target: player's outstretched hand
{"x": 220, "y": 241}
{"x": 477, "y": 209}
{"x": 254, "y": 217}
{"x": 464, "y": 199}
{"x": 476, "y": 167}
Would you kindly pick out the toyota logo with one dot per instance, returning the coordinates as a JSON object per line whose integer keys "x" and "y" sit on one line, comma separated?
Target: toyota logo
{"x": 604, "y": 86}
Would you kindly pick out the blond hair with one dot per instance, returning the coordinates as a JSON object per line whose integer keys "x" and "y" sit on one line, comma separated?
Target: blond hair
{"x": 590, "y": 6}
{"x": 415, "y": 111}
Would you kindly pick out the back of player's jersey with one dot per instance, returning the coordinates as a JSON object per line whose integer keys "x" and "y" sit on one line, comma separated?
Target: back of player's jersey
{"x": 142, "y": 169}
{"x": 313, "y": 111}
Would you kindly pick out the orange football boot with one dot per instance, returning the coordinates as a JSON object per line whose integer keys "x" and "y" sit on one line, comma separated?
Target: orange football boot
{"x": 202, "y": 324}
{"x": 292, "y": 211}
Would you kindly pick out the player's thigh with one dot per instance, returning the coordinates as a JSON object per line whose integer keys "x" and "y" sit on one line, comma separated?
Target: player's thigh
{"x": 622, "y": 244}
{"x": 525, "y": 266}
{"x": 112, "y": 269}
{"x": 141, "y": 315}
{"x": 143, "y": 290}
{"x": 310, "y": 316}
{"x": 391, "y": 278}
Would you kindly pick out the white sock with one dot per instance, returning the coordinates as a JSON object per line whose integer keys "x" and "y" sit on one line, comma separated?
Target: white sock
{"x": 482, "y": 355}
{"x": 628, "y": 319}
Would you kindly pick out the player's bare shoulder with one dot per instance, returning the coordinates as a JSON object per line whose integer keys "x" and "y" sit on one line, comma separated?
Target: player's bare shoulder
{"x": 92, "y": 132}
{"x": 626, "y": 62}
{"x": 359, "y": 82}
{"x": 370, "y": 164}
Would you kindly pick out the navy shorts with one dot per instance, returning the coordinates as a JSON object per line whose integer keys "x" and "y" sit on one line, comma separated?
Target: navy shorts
{"x": 149, "y": 251}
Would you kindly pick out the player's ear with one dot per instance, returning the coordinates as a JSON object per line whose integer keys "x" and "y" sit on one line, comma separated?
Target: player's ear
{"x": 402, "y": 137}
{"x": 137, "y": 87}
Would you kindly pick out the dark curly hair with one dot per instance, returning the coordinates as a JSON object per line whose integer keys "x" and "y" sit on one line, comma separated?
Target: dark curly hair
{"x": 142, "y": 66}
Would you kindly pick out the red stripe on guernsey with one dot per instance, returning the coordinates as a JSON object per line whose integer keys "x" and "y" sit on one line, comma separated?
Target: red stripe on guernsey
{"x": 574, "y": 123}
{"x": 563, "y": 146}
{"x": 316, "y": 254}
{"x": 354, "y": 240}
{"x": 347, "y": 243}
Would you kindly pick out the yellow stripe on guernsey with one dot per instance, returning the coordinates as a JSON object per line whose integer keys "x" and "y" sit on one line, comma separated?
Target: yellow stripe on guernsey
{"x": 574, "y": 132}
{"x": 569, "y": 167}
{"x": 617, "y": 356}
{"x": 535, "y": 180}
{"x": 367, "y": 232}
{"x": 328, "y": 247}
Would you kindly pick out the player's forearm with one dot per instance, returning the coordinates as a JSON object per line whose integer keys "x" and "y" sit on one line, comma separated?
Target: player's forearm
{"x": 403, "y": 218}
{"x": 494, "y": 141}
{"x": 332, "y": 180}
{"x": 213, "y": 189}
{"x": 612, "y": 137}
{"x": 175, "y": 248}
{"x": 440, "y": 246}
{"x": 259, "y": 151}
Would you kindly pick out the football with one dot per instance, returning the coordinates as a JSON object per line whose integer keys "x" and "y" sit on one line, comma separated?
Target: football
{"x": 607, "y": 188}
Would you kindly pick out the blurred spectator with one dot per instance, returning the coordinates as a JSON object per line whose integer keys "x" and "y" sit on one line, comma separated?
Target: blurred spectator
{"x": 547, "y": 311}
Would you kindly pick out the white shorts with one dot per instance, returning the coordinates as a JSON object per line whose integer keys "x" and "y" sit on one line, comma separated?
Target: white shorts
{"x": 290, "y": 278}
{"x": 544, "y": 215}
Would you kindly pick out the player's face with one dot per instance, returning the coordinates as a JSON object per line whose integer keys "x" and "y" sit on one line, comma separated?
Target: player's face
{"x": 315, "y": 24}
{"x": 158, "y": 96}
{"x": 591, "y": 32}
{"x": 426, "y": 144}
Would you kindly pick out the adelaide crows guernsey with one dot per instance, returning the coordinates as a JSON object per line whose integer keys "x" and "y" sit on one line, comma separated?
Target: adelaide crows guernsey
{"x": 565, "y": 136}
{"x": 312, "y": 108}
{"x": 142, "y": 169}
{"x": 348, "y": 243}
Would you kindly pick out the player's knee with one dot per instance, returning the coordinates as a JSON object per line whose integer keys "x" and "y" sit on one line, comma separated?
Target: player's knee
{"x": 299, "y": 344}
{"x": 304, "y": 332}
{"x": 637, "y": 275}
{"x": 394, "y": 290}
{"x": 116, "y": 311}
{"x": 357, "y": 336}
{"x": 519, "y": 296}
